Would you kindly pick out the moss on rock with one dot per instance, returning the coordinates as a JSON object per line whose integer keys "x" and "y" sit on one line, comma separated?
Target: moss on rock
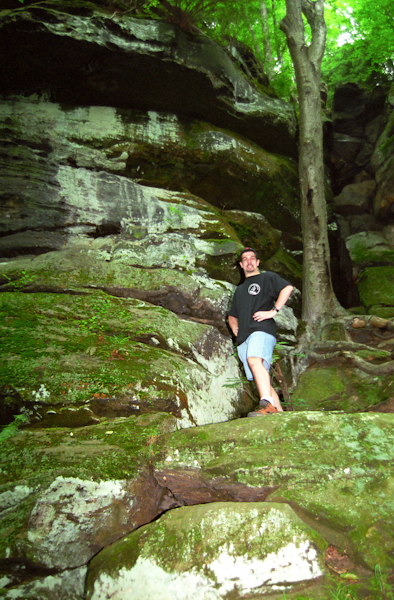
{"x": 121, "y": 355}
{"x": 222, "y": 549}
{"x": 376, "y": 287}
{"x": 341, "y": 388}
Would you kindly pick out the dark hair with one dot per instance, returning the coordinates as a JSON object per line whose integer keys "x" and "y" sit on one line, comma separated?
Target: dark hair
{"x": 247, "y": 249}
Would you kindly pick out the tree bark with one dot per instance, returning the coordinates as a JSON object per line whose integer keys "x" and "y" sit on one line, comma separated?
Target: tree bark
{"x": 268, "y": 58}
{"x": 318, "y": 298}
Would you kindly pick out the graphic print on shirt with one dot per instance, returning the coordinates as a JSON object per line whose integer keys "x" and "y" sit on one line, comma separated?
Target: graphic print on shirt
{"x": 254, "y": 289}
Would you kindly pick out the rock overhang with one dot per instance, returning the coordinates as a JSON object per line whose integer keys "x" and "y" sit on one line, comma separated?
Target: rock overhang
{"x": 139, "y": 64}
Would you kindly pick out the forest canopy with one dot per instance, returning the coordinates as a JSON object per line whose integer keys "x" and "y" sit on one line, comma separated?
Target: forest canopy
{"x": 359, "y": 47}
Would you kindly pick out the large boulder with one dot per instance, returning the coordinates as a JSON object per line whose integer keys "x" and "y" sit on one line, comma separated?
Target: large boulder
{"x": 71, "y": 360}
{"x": 376, "y": 288}
{"x": 338, "y": 386}
{"x": 204, "y": 551}
{"x": 324, "y": 484}
{"x": 79, "y": 490}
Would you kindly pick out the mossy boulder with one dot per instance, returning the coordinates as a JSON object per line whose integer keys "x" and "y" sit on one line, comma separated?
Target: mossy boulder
{"x": 72, "y": 359}
{"x": 369, "y": 247}
{"x": 376, "y": 288}
{"x": 327, "y": 478}
{"x": 79, "y": 268}
{"x": 334, "y": 469}
{"x": 96, "y": 474}
{"x": 342, "y": 387}
{"x": 217, "y": 550}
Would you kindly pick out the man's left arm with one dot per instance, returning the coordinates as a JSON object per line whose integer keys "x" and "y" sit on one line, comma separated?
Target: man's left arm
{"x": 284, "y": 295}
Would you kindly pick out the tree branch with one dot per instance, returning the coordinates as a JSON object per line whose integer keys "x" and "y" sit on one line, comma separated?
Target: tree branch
{"x": 320, "y": 358}
{"x": 314, "y": 13}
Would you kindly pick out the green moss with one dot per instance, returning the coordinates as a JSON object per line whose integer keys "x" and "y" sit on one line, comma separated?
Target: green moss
{"x": 386, "y": 312}
{"x": 65, "y": 350}
{"x": 340, "y": 388}
{"x": 364, "y": 255}
{"x": 79, "y": 272}
{"x": 283, "y": 263}
{"x": 195, "y": 537}
{"x": 112, "y": 450}
{"x": 376, "y": 286}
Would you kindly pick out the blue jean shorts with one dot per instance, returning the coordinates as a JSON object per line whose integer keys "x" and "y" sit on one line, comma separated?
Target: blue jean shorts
{"x": 259, "y": 344}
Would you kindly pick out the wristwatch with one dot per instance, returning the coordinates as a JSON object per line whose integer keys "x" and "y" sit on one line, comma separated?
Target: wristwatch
{"x": 274, "y": 308}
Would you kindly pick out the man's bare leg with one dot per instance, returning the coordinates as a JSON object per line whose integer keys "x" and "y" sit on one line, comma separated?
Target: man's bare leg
{"x": 275, "y": 400}
{"x": 262, "y": 380}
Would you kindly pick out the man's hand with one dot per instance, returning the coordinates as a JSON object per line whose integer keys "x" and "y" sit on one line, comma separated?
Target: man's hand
{"x": 263, "y": 315}
{"x": 233, "y": 322}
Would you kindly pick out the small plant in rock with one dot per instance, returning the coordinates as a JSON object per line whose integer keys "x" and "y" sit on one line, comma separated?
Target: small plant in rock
{"x": 12, "y": 428}
{"x": 175, "y": 216}
{"x": 381, "y": 582}
{"x": 21, "y": 282}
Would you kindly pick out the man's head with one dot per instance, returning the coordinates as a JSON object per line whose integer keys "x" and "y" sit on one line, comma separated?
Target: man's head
{"x": 249, "y": 262}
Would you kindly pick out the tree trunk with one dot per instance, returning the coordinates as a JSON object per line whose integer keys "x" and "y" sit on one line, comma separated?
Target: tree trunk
{"x": 318, "y": 298}
{"x": 268, "y": 58}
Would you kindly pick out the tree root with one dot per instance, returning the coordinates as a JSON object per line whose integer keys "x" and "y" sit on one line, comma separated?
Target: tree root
{"x": 382, "y": 369}
{"x": 344, "y": 346}
{"x": 347, "y": 350}
{"x": 309, "y": 349}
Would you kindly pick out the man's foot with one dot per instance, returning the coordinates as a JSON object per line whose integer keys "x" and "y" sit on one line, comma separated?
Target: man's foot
{"x": 263, "y": 402}
{"x": 267, "y": 410}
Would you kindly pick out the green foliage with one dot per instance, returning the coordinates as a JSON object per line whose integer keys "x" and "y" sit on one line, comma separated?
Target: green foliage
{"x": 360, "y": 42}
{"x": 359, "y": 47}
{"x": 20, "y": 282}
{"x": 12, "y": 428}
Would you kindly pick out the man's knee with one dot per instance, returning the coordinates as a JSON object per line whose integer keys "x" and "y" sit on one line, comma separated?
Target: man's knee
{"x": 255, "y": 361}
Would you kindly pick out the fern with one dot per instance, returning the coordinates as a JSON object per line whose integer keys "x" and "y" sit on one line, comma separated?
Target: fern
{"x": 12, "y": 428}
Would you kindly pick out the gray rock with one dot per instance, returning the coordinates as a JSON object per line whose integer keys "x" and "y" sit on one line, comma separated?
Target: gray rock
{"x": 355, "y": 198}
{"x": 202, "y": 552}
{"x": 368, "y": 247}
{"x": 150, "y": 148}
{"x": 67, "y": 585}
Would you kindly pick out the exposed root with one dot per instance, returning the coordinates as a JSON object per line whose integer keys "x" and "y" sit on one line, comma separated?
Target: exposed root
{"x": 312, "y": 348}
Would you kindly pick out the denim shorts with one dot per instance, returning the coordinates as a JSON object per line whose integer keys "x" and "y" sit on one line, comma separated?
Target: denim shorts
{"x": 259, "y": 344}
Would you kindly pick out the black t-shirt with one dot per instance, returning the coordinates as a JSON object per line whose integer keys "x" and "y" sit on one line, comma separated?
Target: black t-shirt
{"x": 258, "y": 292}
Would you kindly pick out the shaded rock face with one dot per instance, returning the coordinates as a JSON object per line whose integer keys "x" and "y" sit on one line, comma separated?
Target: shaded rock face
{"x": 137, "y": 162}
{"x": 362, "y": 178}
{"x": 125, "y": 286}
{"x": 151, "y": 149}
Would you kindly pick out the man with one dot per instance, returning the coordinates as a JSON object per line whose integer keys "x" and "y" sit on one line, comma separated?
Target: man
{"x": 255, "y": 304}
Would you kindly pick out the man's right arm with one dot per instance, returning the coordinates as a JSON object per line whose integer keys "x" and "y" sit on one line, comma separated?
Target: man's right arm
{"x": 233, "y": 322}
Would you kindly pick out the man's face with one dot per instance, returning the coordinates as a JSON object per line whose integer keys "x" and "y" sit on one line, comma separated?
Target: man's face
{"x": 249, "y": 263}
